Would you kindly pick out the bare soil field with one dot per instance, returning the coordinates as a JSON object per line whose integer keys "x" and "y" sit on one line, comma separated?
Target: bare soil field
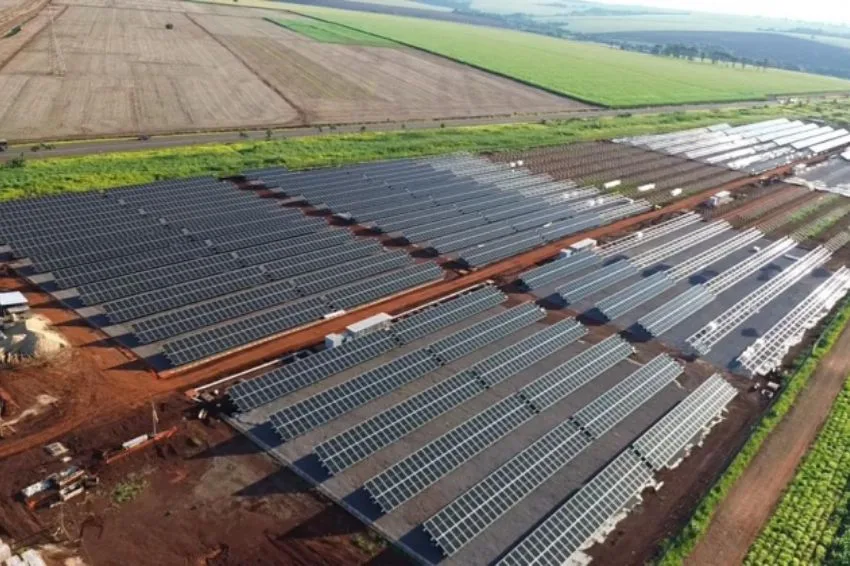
{"x": 114, "y": 69}
{"x": 203, "y": 497}
{"x": 16, "y": 12}
{"x": 126, "y": 73}
{"x": 334, "y": 83}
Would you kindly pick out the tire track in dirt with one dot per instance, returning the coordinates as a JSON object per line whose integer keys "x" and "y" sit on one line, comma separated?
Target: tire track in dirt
{"x": 303, "y": 118}
{"x": 752, "y": 499}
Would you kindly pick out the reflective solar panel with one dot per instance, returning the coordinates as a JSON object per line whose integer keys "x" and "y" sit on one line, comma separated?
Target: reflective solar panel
{"x": 567, "y": 530}
{"x": 466, "y": 341}
{"x": 241, "y": 332}
{"x": 597, "y": 280}
{"x": 427, "y": 465}
{"x": 559, "y": 269}
{"x": 446, "y": 313}
{"x": 576, "y": 372}
{"x": 327, "y": 405}
{"x": 525, "y": 353}
{"x": 359, "y": 442}
{"x": 303, "y": 372}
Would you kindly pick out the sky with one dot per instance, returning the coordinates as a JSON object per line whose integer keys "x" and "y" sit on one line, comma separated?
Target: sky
{"x": 829, "y": 11}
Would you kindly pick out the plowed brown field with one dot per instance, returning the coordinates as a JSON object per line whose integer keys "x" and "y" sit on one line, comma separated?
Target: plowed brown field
{"x": 115, "y": 69}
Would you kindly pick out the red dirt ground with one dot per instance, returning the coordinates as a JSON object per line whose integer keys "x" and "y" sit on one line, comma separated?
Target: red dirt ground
{"x": 752, "y": 499}
{"x": 207, "y": 497}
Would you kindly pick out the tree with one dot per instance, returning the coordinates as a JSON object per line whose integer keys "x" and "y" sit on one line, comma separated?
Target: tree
{"x": 268, "y": 135}
{"x": 169, "y": 26}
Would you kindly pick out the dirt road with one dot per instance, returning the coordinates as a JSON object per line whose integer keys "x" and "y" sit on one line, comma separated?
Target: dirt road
{"x": 757, "y": 492}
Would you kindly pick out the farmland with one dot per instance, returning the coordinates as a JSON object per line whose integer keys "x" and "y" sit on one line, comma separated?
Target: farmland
{"x": 594, "y": 73}
{"x": 779, "y": 50}
{"x": 126, "y": 73}
{"x": 325, "y": 32}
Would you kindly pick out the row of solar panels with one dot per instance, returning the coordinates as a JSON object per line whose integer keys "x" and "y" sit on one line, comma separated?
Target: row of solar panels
{"x": 474, "y": 511}
{"x": 599, "y": 504}
{"x": 254, "y": 393}
{"x": 753, "y": 148}
{"x": 225, "y": 270}
{"x": 483, "y": 212}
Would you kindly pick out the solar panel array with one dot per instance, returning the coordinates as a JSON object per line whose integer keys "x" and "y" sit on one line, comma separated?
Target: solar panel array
{"x": 468, "y": 515}
{"x": 680, "y": 308}
{"x": 648, "y": 288}
{"x": 598, "y": 504}
{"x": 708, "y": 336}
{"x": 390, "y": 425}
{"x": 298, "y": 418}
{"x": 768, "y": 351}
{"x": 753, "y": 148}
{"x": 198, "y": 267}
{"x": 471, "y": 207}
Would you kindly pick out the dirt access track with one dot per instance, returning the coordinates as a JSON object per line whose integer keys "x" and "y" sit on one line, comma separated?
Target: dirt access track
{"x": 115, "y": 68}
{"x": 752, "y": 499}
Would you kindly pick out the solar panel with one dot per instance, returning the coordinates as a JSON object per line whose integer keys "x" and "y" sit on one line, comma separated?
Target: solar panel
{"x": 571, "y": 226}
{"x": 342, "y": 274}
{"x": 617, "y": 403}
{"x": 182, "y": 294}
{"x": 303, "y": 372}
{"x": 460, "y": 240}
{"x": 502, "y": 248}
{"x": 438, "y": 229}
{"x": 625, "y": 300}
{"x": 107, "y": 269}
{"x": 292, "y": 247}
{"x": 676, "y": 310}
{"x": 173, "y": 323}
{"x": 323, "y": 407}
{"x": 596, "y": 281}
{"x": 559, "y": 269}
{"x": 466, "y": 341}
{"x": 663, "y": 444}
{"x": 363, "y": 440}
{"x": 463, "y": 519}
{"x": 468, "y": 515}
{"x": 446, "y": 313}
{"x": 436, "y": 459}
{"x": 568, "y": 377}
{"x": 567, "y": 530}
{"x": 383, "y": 286}
{"x": 222, "y": 338}
{"x": 388, "y": 426}
{"x": 320, "y": 259}
{"x": 525, "y": 353}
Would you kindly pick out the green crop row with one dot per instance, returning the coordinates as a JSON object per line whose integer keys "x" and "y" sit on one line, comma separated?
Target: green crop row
{"x": 677, "y": 549}
{"x": 38, "y": 177}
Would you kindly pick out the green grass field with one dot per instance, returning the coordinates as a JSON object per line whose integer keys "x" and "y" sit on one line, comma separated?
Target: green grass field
{"x": 40, "y": 177}
{"x": 332, "y": 33}
{"x": 589, "y": 72}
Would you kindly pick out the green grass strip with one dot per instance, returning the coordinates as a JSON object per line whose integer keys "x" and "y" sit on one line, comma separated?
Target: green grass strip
{"x": 327, "y": 32}
{"x": 677, "y": 549}
{"x": 39, "y": 177}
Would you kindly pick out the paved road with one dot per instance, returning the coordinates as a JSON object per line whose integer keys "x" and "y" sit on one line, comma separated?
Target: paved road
{"x": 170, "y": 141}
